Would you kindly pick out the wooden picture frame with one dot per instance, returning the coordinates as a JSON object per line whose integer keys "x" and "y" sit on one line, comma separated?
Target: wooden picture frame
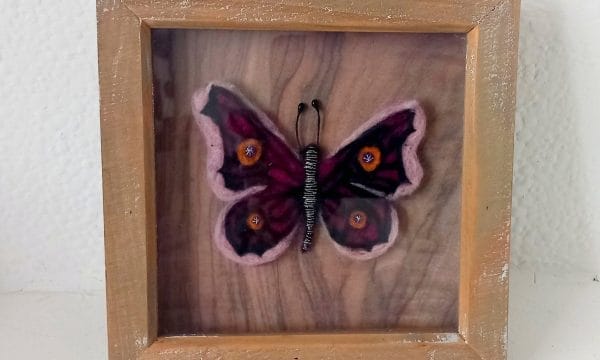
{"x": 124, "y": 34}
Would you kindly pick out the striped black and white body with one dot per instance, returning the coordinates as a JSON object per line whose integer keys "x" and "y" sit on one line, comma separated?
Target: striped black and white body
{"x": 310, "y": 195}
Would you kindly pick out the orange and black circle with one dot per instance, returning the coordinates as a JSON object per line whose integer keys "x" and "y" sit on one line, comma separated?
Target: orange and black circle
{"x": 249, "y": 152}
{"x": 255, "y": 221}
{"x": 369, "y": 158}
{"x": 357, "y": 219}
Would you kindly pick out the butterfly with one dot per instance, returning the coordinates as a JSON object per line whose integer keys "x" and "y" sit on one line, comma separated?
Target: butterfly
{"x": 273, "y": 191}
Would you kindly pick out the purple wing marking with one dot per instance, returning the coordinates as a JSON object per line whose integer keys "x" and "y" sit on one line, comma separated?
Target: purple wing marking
{"x": 226, "y": 119}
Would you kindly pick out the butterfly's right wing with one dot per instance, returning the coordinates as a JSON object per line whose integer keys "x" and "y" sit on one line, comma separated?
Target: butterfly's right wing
{"x": 378, "y": 163}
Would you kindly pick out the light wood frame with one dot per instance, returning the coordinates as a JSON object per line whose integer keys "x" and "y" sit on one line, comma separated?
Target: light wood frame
{"x": 128, "y": 172}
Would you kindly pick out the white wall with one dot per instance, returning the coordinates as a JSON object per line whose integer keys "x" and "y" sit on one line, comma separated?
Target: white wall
{"x": 51, "y": 246}
{"x": 555, "y": 247}
{"x": 50, "y": 173}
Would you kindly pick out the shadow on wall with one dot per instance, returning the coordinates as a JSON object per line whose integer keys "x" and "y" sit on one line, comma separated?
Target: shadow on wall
{"x": 551, "y": 230}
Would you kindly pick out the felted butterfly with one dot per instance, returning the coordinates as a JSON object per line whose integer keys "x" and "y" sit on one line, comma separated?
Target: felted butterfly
{"x": 273, "y": 191}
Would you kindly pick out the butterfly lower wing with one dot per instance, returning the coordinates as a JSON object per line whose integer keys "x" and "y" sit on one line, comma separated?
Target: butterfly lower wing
{"x": 246, "y": 153}
{"x": 376, "y": 165}
{"x": 258, "y": 228}
{"x": 362, "y": 228}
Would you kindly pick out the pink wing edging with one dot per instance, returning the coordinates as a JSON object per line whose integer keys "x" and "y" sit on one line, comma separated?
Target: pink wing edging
{"x": 410, "y": 158}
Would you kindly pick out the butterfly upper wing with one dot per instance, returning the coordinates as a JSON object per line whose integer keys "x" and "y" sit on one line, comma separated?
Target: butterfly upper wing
{"x": 228, "y": 121}
{"x": 392, "y": 137}
{"x": 377, "y": 164}
{"x": 249, "y": 164}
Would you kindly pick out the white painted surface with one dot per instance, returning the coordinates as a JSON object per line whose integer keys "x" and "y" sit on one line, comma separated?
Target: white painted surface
{"x": 556, "y": 202}
{"x": 50, "y": 173}
{"x": 52, "y": 325}
{"x": 51, "y": 247}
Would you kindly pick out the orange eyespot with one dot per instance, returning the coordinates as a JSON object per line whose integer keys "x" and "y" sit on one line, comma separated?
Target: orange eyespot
{"x": 369, "y": 157}
{"x": 357, "y": 219}
{"x": 249, "y": 152}
{"x": 255, "y": 221}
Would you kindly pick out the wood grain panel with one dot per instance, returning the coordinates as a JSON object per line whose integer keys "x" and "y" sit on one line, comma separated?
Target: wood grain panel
{"x": 413, "y": 286}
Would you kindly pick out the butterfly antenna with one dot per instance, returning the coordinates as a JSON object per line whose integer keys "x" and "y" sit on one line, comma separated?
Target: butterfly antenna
{"x": 317, "y": 105}
{"x": 301, "y": 108}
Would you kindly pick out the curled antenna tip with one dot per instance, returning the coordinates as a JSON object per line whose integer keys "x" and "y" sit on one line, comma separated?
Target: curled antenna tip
{"x": 301, "y": 107}
{"x": 315, "y": 103}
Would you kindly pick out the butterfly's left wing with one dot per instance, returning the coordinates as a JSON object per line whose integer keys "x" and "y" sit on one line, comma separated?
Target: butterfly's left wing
{"x": 231, "y": 125}
{"x": 250, "y": 165}
{"x": 377, "y": 164}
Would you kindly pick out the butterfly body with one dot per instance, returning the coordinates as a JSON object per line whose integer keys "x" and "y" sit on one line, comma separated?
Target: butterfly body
{"x": 310, "y": 194}
{"x": 272, "y": 192}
